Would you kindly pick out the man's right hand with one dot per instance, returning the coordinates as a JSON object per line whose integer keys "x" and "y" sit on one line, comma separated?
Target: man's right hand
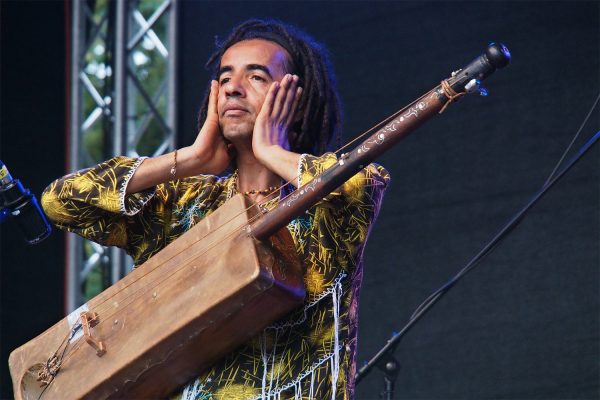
{"x": 210, "y": 154}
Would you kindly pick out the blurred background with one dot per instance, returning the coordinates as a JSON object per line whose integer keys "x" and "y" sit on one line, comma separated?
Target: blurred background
{"x": 524, "y": 325}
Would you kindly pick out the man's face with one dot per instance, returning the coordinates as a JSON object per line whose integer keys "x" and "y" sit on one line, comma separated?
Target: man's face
{"x": 247, "y": 70}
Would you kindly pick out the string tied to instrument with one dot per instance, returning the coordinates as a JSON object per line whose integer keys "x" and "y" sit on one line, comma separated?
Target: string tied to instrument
{"x": 450, "y": 93}
{"x": 49, "y": 371}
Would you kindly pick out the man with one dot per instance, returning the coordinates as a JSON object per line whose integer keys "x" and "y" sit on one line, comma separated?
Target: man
{"x": 273, "y": 98}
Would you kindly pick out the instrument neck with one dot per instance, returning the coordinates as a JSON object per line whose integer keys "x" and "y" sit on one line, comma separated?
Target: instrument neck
{"x": 350, "y": 163}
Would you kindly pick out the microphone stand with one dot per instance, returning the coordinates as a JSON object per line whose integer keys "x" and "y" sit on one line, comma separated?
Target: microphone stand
{"x": 384, "y": 358}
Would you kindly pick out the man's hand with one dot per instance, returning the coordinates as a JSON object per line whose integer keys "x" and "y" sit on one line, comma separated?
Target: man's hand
{"x": 270, "y": 138}
{"x": 211, "y": 151}
{"x": 210, "y": 154}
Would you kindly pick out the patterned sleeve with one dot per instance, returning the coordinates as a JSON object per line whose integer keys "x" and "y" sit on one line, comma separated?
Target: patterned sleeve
{"x": 353, "y": 207}
{"x": 92, "y": 202}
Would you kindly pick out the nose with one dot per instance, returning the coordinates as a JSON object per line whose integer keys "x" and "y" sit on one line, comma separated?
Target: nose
{"x": 234, "y": 87}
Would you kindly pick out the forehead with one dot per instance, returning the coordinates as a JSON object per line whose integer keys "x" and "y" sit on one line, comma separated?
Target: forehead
{"x": 255, "y": 51}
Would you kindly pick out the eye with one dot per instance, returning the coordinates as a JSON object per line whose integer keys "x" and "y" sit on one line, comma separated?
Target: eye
{"x": 258, "y": 78}
{"x": 224, "y": 80}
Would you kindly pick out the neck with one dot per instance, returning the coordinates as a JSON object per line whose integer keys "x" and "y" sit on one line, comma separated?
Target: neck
{"x": 252, "y": 175}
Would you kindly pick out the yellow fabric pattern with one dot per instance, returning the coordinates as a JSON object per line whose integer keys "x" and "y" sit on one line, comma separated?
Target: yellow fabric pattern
{"x": 309, "y": 354}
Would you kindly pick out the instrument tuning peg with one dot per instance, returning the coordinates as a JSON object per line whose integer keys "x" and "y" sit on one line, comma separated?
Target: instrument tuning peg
{"x": 474, "y": 86}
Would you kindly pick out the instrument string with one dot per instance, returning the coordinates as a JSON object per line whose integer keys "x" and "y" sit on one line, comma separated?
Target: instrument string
{"x": 57, "y": 361}
{"x": 160, "y": 278}
{"x": 267, "y": 197}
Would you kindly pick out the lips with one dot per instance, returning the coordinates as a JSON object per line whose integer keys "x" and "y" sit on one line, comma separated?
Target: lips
{"x": 234, "y": 109}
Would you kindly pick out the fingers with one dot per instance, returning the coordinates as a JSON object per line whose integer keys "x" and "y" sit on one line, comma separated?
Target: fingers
{"x": 211, "y": 124}
{"x": 277, "y": 112}
{"x": 285, "y": 97}
{"x": 294, "y": 108}
{"x": 213, "y": 98}
{"x": 267, "y": 107}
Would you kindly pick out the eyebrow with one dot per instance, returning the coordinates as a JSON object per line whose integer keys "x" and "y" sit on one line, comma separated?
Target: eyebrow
{"x": 249, "y": 67}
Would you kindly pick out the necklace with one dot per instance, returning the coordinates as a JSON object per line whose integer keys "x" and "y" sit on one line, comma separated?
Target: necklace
{"x": 260, "y": 191}
{"x": 268, "y": 190}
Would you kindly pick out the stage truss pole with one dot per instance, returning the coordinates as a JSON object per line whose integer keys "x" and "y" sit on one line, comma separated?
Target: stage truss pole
{"x": 123, "y": 102}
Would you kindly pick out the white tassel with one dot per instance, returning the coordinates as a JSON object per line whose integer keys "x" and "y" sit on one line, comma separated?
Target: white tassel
{"x": 271, "y": 387}
{"x": 263, "y": 353}
{"x": 186, "y": 392}
{"x": 266, "y": 393}
{"x": 191, "y": 390}
{"x": 274, "y": 355}
{"x": 335, "y": 361}
{"x": 312, "y": 385}
{"x": 325, "y": 293}
{"x": 273, "y": 390}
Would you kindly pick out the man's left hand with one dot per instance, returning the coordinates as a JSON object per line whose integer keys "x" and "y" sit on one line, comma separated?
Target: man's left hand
{"x": 275, "y": 118}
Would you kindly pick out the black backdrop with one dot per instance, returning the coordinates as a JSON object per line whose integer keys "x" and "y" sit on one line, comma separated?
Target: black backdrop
{"x": 525, "y": 324}
{"x": 32, "y": 145}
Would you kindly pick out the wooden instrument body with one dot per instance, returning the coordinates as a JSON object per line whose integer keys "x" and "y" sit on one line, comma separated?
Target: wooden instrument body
{"x": 160, "y": 332}
{"x": 199, "y": 298}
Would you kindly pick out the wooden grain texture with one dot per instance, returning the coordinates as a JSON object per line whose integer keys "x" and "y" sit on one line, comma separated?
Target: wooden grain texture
{"x": 198, "y": 299}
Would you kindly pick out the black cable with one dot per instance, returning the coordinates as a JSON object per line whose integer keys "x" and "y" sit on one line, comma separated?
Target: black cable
{"x": 434, "y": 298}
{"x": 512, "y": 223}
{"x": 585, "y": 120}
{"x": 502, "y": 233}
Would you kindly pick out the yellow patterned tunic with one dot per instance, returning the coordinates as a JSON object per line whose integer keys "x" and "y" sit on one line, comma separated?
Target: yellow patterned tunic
{"x": 310, "y": 353}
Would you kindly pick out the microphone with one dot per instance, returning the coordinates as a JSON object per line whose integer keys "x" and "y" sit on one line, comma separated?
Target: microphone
{"x": 23, "y": 206}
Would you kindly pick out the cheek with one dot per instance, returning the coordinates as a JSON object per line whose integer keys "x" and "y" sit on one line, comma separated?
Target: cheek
{"x": 259, "y": 96}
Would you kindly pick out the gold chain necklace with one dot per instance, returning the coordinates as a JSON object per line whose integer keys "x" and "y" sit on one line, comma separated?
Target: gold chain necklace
{"x": 268, "y": 190}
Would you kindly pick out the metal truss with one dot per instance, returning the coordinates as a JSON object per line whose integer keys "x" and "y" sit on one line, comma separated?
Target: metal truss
{"x": 123, "y": 101}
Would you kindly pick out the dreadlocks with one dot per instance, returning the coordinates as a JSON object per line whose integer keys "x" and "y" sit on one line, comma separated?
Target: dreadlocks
{"x": 319, "y": 103}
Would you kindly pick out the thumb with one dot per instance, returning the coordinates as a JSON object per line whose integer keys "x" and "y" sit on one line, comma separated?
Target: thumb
{"x": 212, "y": 100}
{"x": 211, "y": 123}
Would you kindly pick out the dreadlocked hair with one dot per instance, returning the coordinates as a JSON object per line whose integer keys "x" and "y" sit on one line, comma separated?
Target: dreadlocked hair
{"x": 320, "y": 104}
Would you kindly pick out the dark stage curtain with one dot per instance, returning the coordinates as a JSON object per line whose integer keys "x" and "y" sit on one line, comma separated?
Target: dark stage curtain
{"x": 525, "y": 324}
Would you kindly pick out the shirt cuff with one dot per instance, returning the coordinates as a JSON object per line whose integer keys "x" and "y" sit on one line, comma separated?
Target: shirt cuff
{"x": 132, "y": 203}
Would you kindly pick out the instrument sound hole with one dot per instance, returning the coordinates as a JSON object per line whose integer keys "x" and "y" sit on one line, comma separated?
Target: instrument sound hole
{"x": 31, "y": 388}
